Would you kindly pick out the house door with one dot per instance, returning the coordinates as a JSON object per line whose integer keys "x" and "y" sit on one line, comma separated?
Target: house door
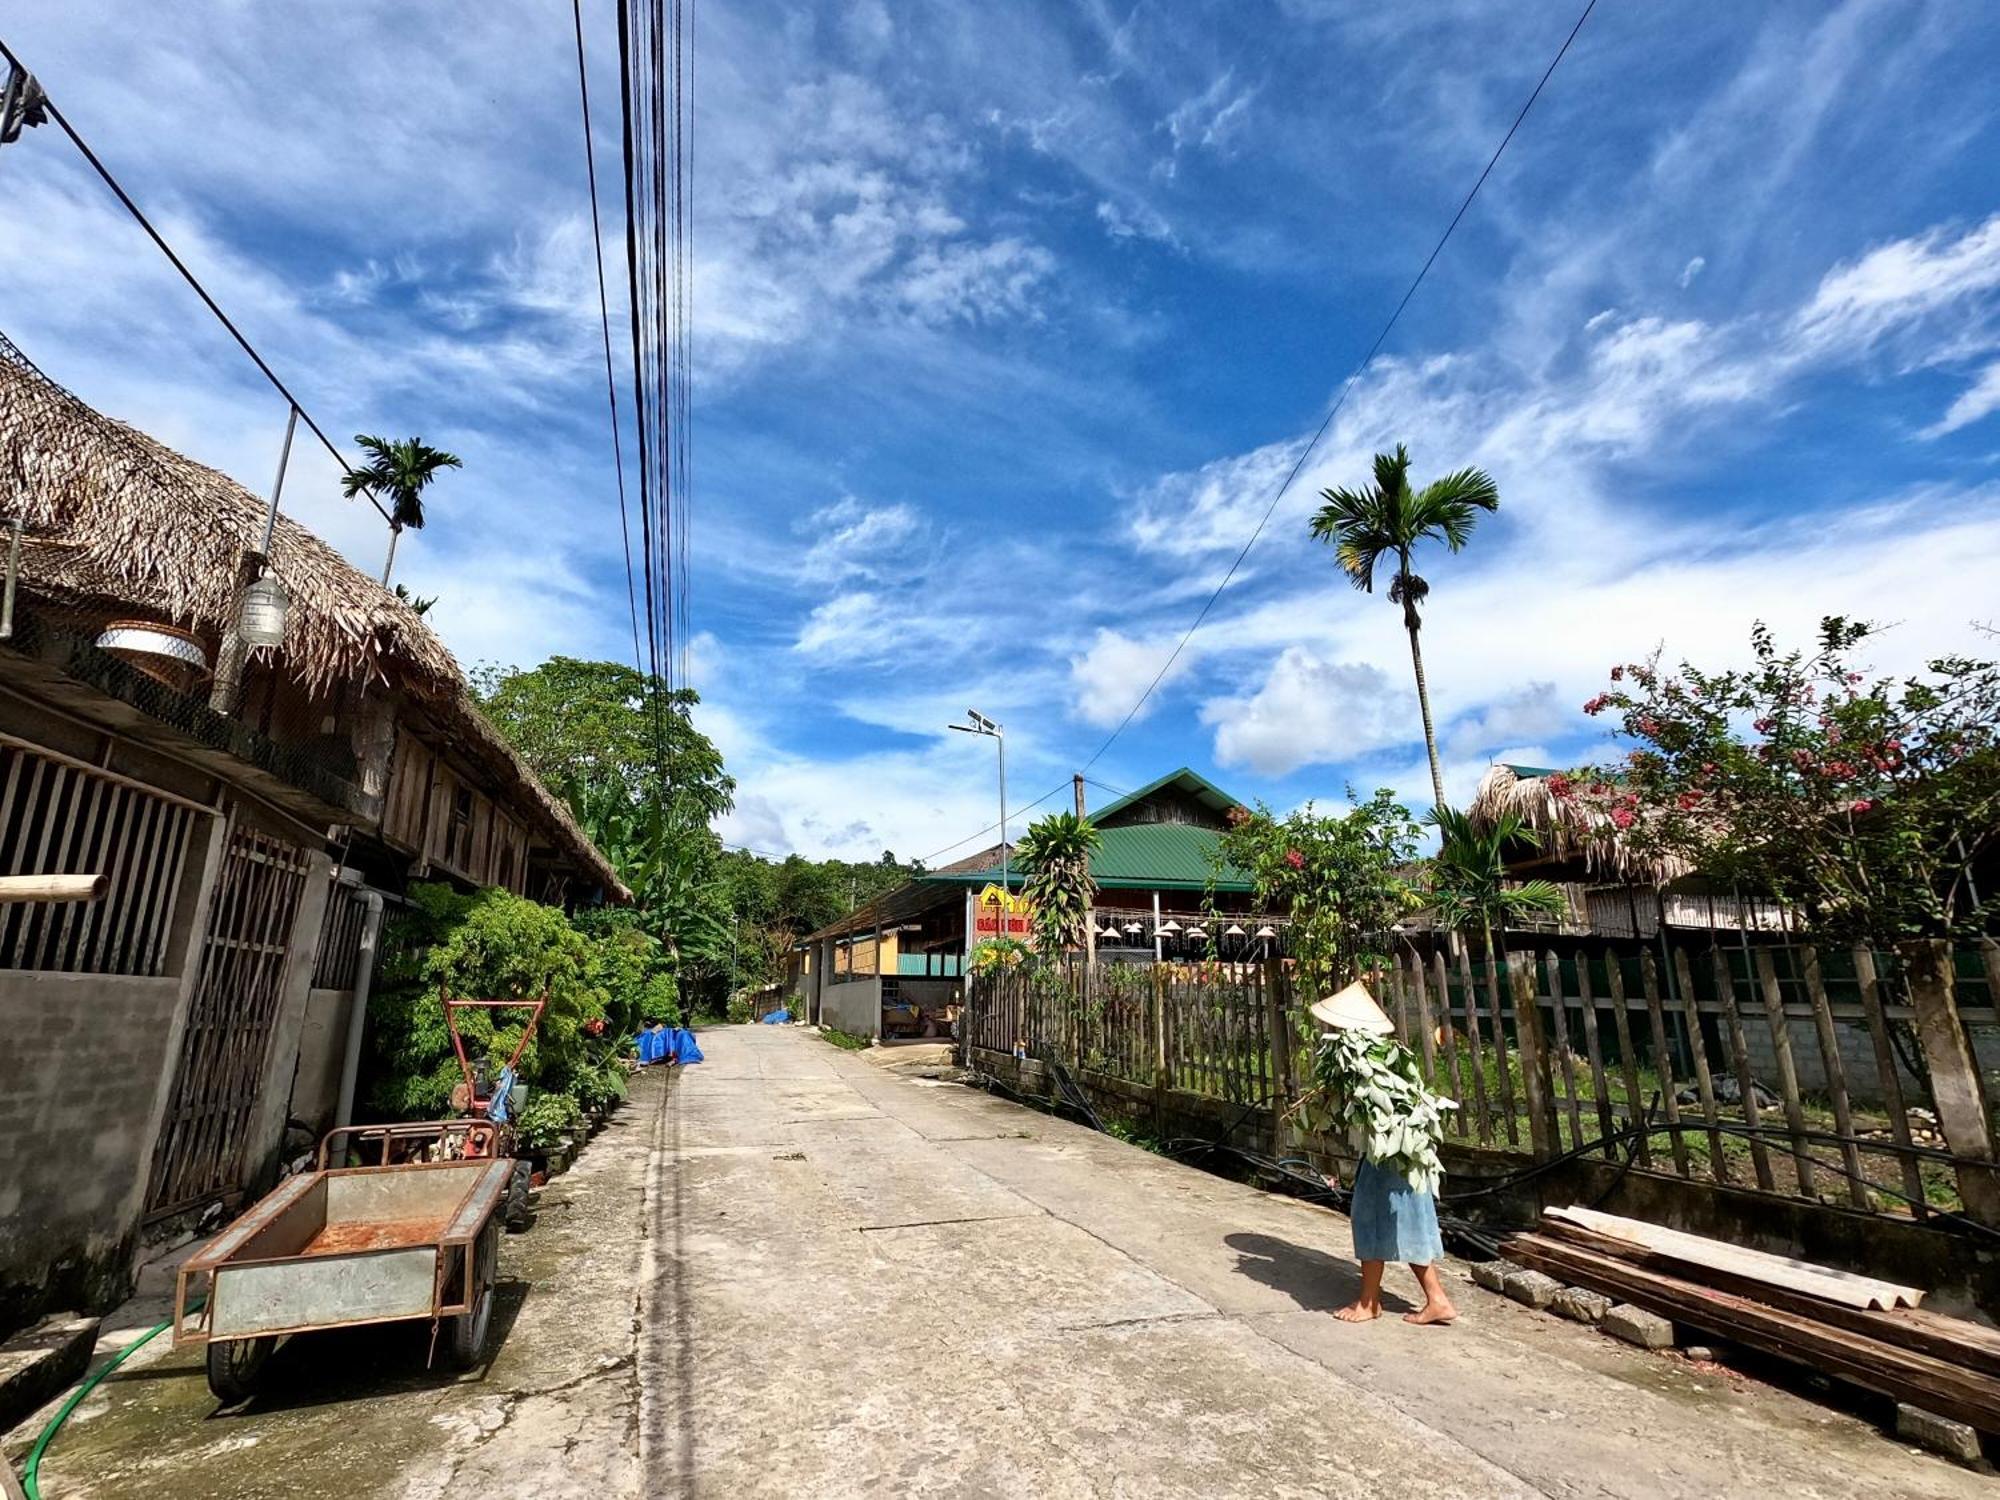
{"x": 231, "y": 1017}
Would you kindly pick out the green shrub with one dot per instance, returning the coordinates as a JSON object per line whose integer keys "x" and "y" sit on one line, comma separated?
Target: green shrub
{"x": 739, "y": 1010}
{"x": 547, "y": 1118}
{"x": 601, "y": 975}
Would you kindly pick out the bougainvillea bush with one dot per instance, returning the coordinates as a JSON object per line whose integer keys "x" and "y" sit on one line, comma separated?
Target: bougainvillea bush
{"x": 1369, "y": 1089}
{"x": 1864, "y": 805}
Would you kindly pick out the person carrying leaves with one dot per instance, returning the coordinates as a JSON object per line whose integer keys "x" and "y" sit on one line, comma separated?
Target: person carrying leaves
{"x": 1394, "y": 1123}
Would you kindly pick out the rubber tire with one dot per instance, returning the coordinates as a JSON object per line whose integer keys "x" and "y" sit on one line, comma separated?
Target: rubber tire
{"x": 515, "y": 1210}
{"x": 236, "y": 1367}
{"x": 466, "y": 1338}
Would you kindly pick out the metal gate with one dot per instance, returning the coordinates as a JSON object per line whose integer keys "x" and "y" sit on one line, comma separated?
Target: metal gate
{"x": 231, "y": 1017}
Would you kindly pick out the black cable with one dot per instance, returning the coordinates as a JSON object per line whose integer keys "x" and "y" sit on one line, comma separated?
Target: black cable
{"x": 604, "y": 321}
{"x": 1346, "y": 389}
{"x": 188, "y": 276}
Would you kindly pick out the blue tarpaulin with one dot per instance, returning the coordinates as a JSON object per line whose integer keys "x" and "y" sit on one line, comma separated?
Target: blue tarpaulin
{"x": 670, "y": 1044}
{"x": 778, "y": 1018}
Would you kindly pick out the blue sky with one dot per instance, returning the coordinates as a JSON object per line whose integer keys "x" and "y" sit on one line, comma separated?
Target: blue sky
{"x": 1009, "y": 319}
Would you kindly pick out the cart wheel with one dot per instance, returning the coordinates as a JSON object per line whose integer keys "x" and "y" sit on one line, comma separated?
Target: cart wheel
{"x": 236, "y": 1367}
{"x": 469, "y": 1331}
{"x": 518, "y": 1186}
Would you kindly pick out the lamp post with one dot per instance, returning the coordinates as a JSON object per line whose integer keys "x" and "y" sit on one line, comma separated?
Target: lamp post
{"x": 980, "y": 724}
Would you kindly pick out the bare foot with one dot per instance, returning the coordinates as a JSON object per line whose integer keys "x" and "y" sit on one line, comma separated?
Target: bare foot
{"x": 1359, "y": 1312}
{"x": 1432, "y": 1312}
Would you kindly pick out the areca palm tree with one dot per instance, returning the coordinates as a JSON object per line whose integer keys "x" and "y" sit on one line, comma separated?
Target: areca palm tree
{"x": 400, "y": 472}
{"x": 1466, "y": 883}
{"x": 1055, "y": 851}
{"x": 1386, "y": 522}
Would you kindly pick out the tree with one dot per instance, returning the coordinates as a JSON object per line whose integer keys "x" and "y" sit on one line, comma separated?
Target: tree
{"x": 419, "y": 604}
{"x": 1870, "y": 810}
{"x": 1056, "y": 853}
{"x": 402, "y": 471}
{"x": 1338, "y": 876}
{"x": 1466, "y": 883}
{"x": 1388, "y": 520}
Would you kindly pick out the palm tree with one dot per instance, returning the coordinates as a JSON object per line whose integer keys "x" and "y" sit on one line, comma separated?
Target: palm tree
{"x": 401, "y": 471}
{"x": 419, "y": 605}
{"x": 1388, "y": 520}
{"x": 1466, "y": 883}
{"x": 1055, "y": 851}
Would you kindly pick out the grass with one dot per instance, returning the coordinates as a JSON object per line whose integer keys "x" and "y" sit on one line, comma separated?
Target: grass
{"x": 847, "y": 1041}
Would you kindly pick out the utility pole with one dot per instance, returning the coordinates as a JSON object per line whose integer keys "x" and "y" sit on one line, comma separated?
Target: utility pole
{"x": 978, "y": 723}
{"x": 1076, "y": 781}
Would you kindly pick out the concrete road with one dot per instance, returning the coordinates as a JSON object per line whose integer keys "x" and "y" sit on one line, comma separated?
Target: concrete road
{"x": 794, "y": 1272}
{"x": 865, "y": 1284}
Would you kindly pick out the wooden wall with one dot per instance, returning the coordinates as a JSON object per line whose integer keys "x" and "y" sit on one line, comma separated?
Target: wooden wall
{"x": 449, "y": 822}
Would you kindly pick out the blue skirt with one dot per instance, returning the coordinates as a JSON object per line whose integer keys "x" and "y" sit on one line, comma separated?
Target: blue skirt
{"x": 1393, "y": 1221}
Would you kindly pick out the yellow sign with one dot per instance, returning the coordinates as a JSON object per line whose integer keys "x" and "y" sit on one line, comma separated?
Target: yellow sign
{"x": 998, "y": 913}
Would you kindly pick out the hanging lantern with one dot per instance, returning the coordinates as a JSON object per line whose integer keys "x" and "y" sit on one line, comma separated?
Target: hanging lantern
{"x": 165, "y": 653}
{"x": 266, "y": 607}
{"x": 1197, "y": 934}
{"x": 1168, "y": 927}
{"x": 1232, "y": 930}
{"x": 1267, "y": 932}
{"x": 1134, "y": 927}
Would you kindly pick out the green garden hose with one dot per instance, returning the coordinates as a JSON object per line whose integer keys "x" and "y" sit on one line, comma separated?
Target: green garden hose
{"x": 31, "y": 1475}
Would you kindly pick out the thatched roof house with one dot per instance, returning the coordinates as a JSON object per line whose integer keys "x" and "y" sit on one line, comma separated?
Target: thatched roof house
{"x": 119, "y": 525}
{"x": 1579, "y": 842}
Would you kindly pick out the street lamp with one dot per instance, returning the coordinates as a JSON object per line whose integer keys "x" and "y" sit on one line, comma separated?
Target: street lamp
{"x": 978, "y": 723}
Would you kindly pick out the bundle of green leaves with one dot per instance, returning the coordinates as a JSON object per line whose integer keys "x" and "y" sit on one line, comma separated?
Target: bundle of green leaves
{"x": 1369, "y": 1087}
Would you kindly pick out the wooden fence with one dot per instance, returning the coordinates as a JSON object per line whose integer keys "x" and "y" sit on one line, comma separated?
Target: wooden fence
{"x": 1851, "y": 1076}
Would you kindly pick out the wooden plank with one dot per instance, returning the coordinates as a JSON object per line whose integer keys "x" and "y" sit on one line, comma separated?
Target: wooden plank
{"x": 1836, "y": 1078}
{"x": 1788, "y": 1073}
{"x": 1725, "y": 986}
{"x": 1958, "y": 1340}
{"x": 1901, "y": 1374}
{"x": 1482, "y": 1114}
{"x": 1544, "y": 1134}
{"x": 1504, "y": 1077}
{"x": 1954, "y": 1075}
{"x": 1627, "y": 1059}
{"x": 1663, "y": 1059}
{"x": 1426, "y": 1026}
{"x": 1777, "y": 1270}
{"x": 53, "y": 888}
{"x": 1889, "y": 1077}
{"x": 1559, "y": 1011}
{"x": 1704, "y": 1083}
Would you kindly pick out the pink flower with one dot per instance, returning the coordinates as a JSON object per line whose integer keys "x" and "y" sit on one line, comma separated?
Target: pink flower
{"x": 1853, "y": 677}
{"x": 1617, "y": 674}
{"x": 1648, "y": 726}
{"x": 1689, "y": 801}
{"x": 1762, "y": 726}
{"x": 1839, "y": 768}
{"x": 1861, "y": 805}
{"x": 1598, "y": 704}
{"x": 1560, "y": 785}
{"x": 1295, "y": 859}
{"x": 1622, "y": 816}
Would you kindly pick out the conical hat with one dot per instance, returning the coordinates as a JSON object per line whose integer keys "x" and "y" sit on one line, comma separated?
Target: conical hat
{"x": 1353, "y": 1009}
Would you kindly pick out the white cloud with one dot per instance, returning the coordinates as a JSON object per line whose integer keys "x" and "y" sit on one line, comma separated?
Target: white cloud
{"x": 854, "y": 539}
{"x": 1310, "y": 711}
{"x": 849, "y": 626}
{"x": 1107, "y": 679}
{"x": 1691, "y": 270}
{"x": 1533, "y": 712}
{"x": 1980, "y": 399}
{"x": 1895, "y": 284}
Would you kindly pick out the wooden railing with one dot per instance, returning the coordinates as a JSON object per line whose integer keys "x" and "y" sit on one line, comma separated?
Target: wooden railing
{"x": 1848, "y": 1075}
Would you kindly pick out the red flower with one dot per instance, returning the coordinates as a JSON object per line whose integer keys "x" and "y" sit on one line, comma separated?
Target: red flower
{"x": 1689, "y": 801}
{"x": 1839, "y": 768}
{"x": 1648, "y": 726}
{"x": 1560, "y": 785}
{"x": 1861, "y": 805}
{"x": 1598, "y": 704}
{"x": 1762, "y": 726}
{"x": 1853, "y": 677}
{"x": 1622, "y": 816}
{"x": 1617, "y": 674}
{"x": 1295, "y": 859}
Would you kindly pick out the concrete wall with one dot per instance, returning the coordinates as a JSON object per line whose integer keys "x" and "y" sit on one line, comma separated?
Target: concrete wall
{"x": 854, "y": 1006}
{"x": 929, "y": 993}
{"x": 82, "y": 1063}
{"x": 1857, "y": 1057}
{"x": 322, "y": 1048}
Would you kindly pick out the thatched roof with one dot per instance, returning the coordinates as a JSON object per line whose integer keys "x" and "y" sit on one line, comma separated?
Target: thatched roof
{"x": 1572, "y": 832}
{"x": 119, "y": 521}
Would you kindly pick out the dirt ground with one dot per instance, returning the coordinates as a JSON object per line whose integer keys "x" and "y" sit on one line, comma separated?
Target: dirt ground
{"x": 799, "y": 1271}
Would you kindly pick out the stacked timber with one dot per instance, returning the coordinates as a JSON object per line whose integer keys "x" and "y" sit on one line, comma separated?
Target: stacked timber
{"x": 1865, "y": 1332}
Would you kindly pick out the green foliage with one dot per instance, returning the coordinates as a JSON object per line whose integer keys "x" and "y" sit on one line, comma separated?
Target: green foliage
{"x": 739, "y": 1011}
{"x": 847, "y": 1041}
{"x": 547, "y": 1118}
{"x": 397, "y": 473}
{"x": 1864, "y": 806}
{"x": 1338, "y": 876}
{"x": 1056, "y": 853}
{"x": 1465, "y": 882}
{"x": 636, "y": 972}
{"x": 1371, "y": 1089}
{"x": 992, "y": 955}
{"x": 493, "y": 945}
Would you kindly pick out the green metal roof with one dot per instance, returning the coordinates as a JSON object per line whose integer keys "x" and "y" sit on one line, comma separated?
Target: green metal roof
{"x": 1164, "y": 856}
{"x": 1198, "y": 787}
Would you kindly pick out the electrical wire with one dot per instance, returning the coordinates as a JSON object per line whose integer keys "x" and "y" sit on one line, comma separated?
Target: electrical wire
{"x": 1346, "y": 390}
{"x": 604, "y": 321}
{"x": 190, "y": 278}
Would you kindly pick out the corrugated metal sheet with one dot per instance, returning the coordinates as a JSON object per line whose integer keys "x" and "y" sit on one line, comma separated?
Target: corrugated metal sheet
{"x": 1171, "y": 856}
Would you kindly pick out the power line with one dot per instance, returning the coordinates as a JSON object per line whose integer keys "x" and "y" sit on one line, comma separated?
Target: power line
{"x": 1345, "y": 390}
{"x": 604, "y": 319}
{"x": 925, "y": 859}
{"x": 189, "y": 277}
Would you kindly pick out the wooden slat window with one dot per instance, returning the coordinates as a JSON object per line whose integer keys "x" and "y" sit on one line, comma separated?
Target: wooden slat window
{"x": 60, "y": 816}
